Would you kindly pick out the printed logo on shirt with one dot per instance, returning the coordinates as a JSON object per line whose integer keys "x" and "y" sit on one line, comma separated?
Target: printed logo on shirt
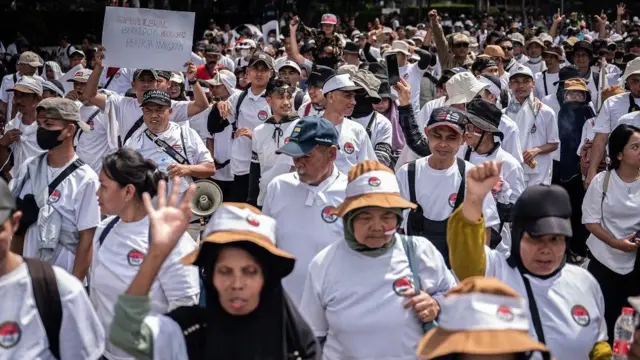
{"x": 406, "y": 76}
{"x": 90, "y": 123}
{"x": 452, "y": 199}
{"x": 10, "y": 334}
{"x": 402, "y": 285}
{"x": 580, "y": 315}
{"x": 327, "y": 216}
{"x": 262, "y": 115}
{"x": 349, "y": 148}
{"x": 253, "y": 221}
{"x": 54, "y": 197}
{"x": 374, "y": 181}
{"x": 135, "y": 257}
{"x": 534, "y": 129}
{"x": 504, "y": 313}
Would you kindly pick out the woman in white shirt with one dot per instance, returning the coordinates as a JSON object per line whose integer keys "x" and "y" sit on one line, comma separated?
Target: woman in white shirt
{"x": 121, "y": 243}
{"x": 611, "y": 212}
{"x": 368, "y": 296}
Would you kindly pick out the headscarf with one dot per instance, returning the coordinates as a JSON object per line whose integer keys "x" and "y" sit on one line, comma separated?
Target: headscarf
{"x": 363, "y": 249}
{"x": 57, "y": 71}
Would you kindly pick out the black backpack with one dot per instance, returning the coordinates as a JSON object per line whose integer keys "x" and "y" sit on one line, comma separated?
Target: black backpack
{"x": 47, "y": 297}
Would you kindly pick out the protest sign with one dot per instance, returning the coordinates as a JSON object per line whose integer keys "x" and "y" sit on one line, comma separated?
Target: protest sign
{"x": 266, "y": 28}
{"x": 143, "y": 38}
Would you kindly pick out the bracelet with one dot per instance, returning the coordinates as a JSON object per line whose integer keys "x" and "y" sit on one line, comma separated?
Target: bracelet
{"x": 193, "y": 82}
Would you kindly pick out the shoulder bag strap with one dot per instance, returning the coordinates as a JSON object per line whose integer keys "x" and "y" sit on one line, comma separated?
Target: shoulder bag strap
{"x": 467, "y": 154}
{"x": 605, "y": 186}
{"x": 544, "y": 81}
{"x": 107, "y": 229}
{"x": 307, "y": 109}
{"x": 15, "y": 78}
{"x": 178, "y": 157}
{"x": 47, "y": 297}
{"x": 110, "y": 79}
{"x": 462, "y": 188}
{"x": 93, "y": 116}
{"x": 370, "y": 124}
{"x": 535, "y": 315}
{"x": 410, "y": 251}
{"x": 411, "y": 175}
{"x": 133, "y": 129}
{"x": 64, "y": 174}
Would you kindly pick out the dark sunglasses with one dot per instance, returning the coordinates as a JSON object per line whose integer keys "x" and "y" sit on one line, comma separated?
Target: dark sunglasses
{"x": 507, "y": 48}
{"x": 461, "y": 45}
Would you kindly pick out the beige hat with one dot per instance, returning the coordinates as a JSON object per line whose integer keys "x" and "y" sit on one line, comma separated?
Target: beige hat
{"x": 372, "y": 184}
{"x": 463, "y": 87}
{"x": 81, "y": 76}
{"x": 460, "y": 39}
{"x": 28, "y": 85}
{"x": 399, "y": 46}
{"x": 480, "y": 316}
{"x": 29, "y": 58}
{"x": 576, "y": 85}
{"x": 63, "y": 109}
{"x": 535, "y": 40}
{"x": 633, "y": 68}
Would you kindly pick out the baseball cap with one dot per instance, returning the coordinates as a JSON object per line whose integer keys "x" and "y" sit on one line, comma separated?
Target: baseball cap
{"x": 64, "y": 109}
{"x": 307, "y": 134}
{"x": 288, "y": 63}
{"x": 462, "y": 88}
{"x": 29, "y": 58}
{"x": 329, "y": 19}
{"x": 139, "y": 72}
{"x": 176, "y": 78}
{"x": 520, "y": 70}
{"x": 544, "y": 210}
{"x": 481, "y": 63}
{"x": 261, "y": 57}
{"x": 339, "y": 82}
{"x": 447, "y": 116}
{"x": 77, "y": 52}
{"x": 81, "y": 76}
{"x": 7, "y": 201}
{"x": 224, "y": 77}
{"x": 159, "y": 97}
{"x": 517, "y": 37}
{"x": 28, "y": 85}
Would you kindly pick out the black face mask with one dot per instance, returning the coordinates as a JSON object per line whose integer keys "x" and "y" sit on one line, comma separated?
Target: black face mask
{"x": 363, "y": 107}
{"x": 48, "y": 139}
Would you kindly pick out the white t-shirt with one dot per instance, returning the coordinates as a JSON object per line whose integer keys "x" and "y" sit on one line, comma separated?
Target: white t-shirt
{"x": 537, "y": 67}
{"x": 254, "y": 110}
{"x": 199, "y": 124}
{"x": 381, "y": 131}
{"x": 121, "y": 82}
{"x": 222, "y": 152}
{"x": 511, "y": 141}
{"x": 551, "y": 88}
{"x": 412, "y": 74}
{"x": 291, "y": 202}
{"x": 22, "y": 332}
{"x": 632, "y": 118}
{"x": 6, "y": 96}
{"x": 63, "y": 55}
{"x": 363, "y": 316}
{"x": 619, "y": 214}
{"x": 437, "y": 190}
{"x": 116, "y": 263}
{"x": 76, "y": 202}
{"x": 570, "y": 304}
{"x": 267, "y": 138}
{"x": 612, "y": 110}
{"x": 94, "y": 145}
{"x": 25, "y": 148}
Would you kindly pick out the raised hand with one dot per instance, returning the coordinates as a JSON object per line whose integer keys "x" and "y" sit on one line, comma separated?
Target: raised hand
{"x": 482, "y": 178}
{"x": 621, "y": 9}
{"x": 558, "y": 18}
{"x": 404, "y": 92}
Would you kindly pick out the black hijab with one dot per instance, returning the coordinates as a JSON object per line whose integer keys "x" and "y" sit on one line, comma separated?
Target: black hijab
{"x": 273, "y": 331}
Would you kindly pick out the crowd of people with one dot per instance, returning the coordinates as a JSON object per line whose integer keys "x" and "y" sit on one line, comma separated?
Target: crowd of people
{"x": 459, "y": 189}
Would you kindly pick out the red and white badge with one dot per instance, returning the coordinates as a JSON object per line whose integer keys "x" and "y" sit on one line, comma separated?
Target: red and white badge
{"x": 327, "y": 216}
{"x": 10, "y": 334}
{"x": 263, "y": 115}
{"x": 534, "y": 129}
{"x": 349, "y": 148}
{"x": 402, "y": 285}
{"x": 135, "y": 257}
{"x": 90, "y": 123}
{"x": 452, "y": 199}
{"x": 253, "y": 221}
{"x": 580, "y": 315}
{"x": 374, "y": 181}
{"x": 504, "y": 313}
{"x": 54, "y": 197}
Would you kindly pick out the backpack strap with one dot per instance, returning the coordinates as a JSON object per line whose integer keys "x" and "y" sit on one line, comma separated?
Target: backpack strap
{"x": 110, "y": 79}
{"x": 107, "y": 229}
{"x": 93, "y": 116}
{"x": 605, "y": 186}
{"x": 544, "y": 81}
{"x": 410, "y": 251}
{"x": 297, "y": 102}
{"x": 535, "y": 315}
{"x": 462, "y": 188}
{"x": 68, "y": 51}
{"x": 467, "y": 154}
{"x": 307, "y": 109}
{"x": 411, "y": 175}
{"x": 47, "y": 297}
{"x": 238, "y": 103}
{"x": 133, "y": 129}
{"x": 64, "y": 174}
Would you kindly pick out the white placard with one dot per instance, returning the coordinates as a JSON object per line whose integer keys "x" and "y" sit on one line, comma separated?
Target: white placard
{"x": 266, "y": 28}
{"x": 143, "y": 38}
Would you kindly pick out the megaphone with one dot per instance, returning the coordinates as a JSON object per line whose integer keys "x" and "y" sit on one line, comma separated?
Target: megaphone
{"x": 207, "y": 198}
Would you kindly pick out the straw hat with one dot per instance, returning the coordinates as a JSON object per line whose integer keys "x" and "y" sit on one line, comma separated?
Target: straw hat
{"x": 372, "y": 184}
{"x": 239, "y": 222}
{"x": 480, "y": 316}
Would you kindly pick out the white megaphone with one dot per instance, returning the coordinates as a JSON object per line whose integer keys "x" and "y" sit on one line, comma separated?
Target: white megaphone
{"x": 207, "y": 198}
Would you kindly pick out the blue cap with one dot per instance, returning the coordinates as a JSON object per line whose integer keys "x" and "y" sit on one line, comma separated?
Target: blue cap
{"x": 307, "y": 134}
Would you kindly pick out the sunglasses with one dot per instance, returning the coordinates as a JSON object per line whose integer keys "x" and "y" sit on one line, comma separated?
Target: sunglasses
{"x": 461, "y": 45}
{"x": 507, "y": 48}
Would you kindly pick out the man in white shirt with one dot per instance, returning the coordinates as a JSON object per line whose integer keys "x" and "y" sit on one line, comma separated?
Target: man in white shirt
{"x": 19, "y": 141}
{"x": 64, "y": 53}
{"x": 33, "y": 292}
{"x": 27, "y": 65}
{"x": 412, "y": 73}
{"x": 307, "y": 195}
{"x": 547, "y": 80}
{"x": 534, "y": 49}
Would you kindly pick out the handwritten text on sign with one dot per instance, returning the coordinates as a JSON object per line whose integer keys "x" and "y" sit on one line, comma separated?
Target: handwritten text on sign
{"x": 143, "y": 38}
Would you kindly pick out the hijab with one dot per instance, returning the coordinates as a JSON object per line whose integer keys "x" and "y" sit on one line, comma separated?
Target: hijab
{"x": 271, "y": 332}
{"x": 518, "y": 228}
{"x": 57, "y": 71}
{"x": 350, "y": 237}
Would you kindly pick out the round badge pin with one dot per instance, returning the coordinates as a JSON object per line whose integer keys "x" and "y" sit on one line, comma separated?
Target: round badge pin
{"x": 402, "y": 285}
{"x": 534, "y": 129}
{"x": 10, "y": 334}
{"x": 54, "y": 197}
{"x": 580, "y": 315}
{"x": 327, "y": 216}
{"x": 349, "y": 148}
{"x": 263, "y": 115}
{"x": 374, "y": 181}
{"x": 452, "y": 199}
{"x": 504, "y": 313}
{"x": 90, "y": 123}
{"x": 135, "y": 257}
{"x": 253, "y": 221}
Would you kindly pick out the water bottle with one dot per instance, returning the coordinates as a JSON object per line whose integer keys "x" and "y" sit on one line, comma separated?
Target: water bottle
{"x": 623, "y": 334}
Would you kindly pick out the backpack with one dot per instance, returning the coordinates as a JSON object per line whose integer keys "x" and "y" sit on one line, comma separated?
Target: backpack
{"x": 297, "y": 102}
{"x": 47, "y": 297}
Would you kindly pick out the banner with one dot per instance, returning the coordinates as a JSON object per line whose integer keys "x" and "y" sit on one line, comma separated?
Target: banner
{"x": 143, "y": 38}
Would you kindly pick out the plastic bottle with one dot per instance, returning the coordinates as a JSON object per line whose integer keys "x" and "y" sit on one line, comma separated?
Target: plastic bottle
{"x": 623, "y": 334}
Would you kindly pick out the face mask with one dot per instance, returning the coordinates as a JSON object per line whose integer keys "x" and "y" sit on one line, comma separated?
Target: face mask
{"x": 535, "y": 59}
{"x": 48, "y": 139}
{"x": 271, "y": 39}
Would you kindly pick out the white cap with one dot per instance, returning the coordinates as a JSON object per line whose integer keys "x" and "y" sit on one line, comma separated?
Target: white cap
{"x": 373, "y": 182}
{"x": 81, "y": 76}
{"x": 231, "y": 218}
{"x": 462, "y": 88}
{"x": 177, "y": 78}
{"x": 339, "y": 82}
{"x": 399, "y": 46}
{"x": 633, "y": 68}
{"x": 480, "y": 311}
{"x": 29, "y": 85}
{"x": 520, "y": 70}
{"x": 458, "y": 23}
{"x": 224, "y": 77}
{"x": 79, "y": 52}
{"x": 616, "y": 37}
{"x": 247, "y": 44}
{"x": 493, "y": 88}
{"x": 289, "y": 63}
